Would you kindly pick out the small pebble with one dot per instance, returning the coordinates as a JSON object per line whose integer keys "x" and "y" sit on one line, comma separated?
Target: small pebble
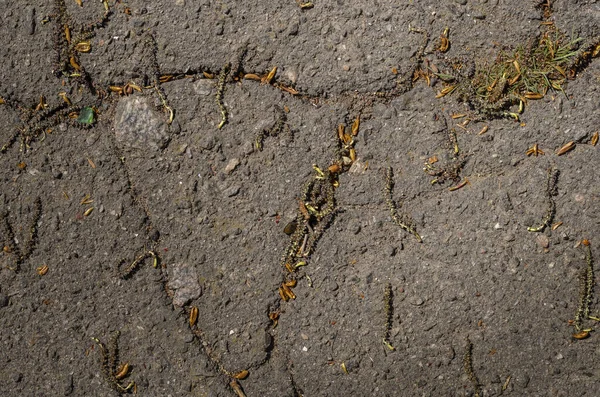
{"x": 232, "y": 191}
{"x": 543, "y": 241}
{"x": 231, "y": 165}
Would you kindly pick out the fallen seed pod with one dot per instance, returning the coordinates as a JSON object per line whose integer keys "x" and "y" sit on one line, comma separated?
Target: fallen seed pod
{"x": 355, "y": 126}
{"x": 283, "y": 295}
{"x": 84, "y": 46}
{"x": 122, "y": 371}
{"x": 193, "y": 316}
{"x": 63, "y": 95}
{"x": 445, "y": 91}
{"x": 566, "y": 148}
{"x": 241, "y": 375}
{"x": 581, "y": 335}
{"x": 74, "y": 63}
{"x": 269, "y": 77}
{"x": 42, "y": 270}
{"x": 343, "y": 366}
{"x": 533, "y": 95}
{"x": 291, "y": 283}
{"x": 335, "y": 169}
{"x": 341, "y": 132}
{"x": 444, "y": 44}
{"x": 288, "y": 292}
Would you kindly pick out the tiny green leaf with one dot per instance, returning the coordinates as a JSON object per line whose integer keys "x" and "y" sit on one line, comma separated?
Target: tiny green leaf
{"x": 86, "y": 116}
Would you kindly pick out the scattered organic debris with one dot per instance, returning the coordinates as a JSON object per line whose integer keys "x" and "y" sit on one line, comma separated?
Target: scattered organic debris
{"x": 19, "y": 254}
{"x": 134, "y": 266}
{"x": 42, "y": 270}
{"x": 587, "y": 50}
{"x": 443, "y": 44}
{"x": 235, "y": 386}
{"x": 514, "y": 77}
{"x": 155, "y": 76}
{"x": 402, "y": 220}
{"x": 305, "y": 5}
{"x": 220, "y": 92}
{"x": 534, "y": 151}
{"x": 468, "y": 367}
{"x": 551, "y": 191}
{"x": 585, "y": 295}
{"x": 72, "y": 39}
{"x": 316, "y": 208}
{"x": 274, "y": 130}
{"x": 39, "y": 120}
{"x": 506, "y": 383}
{"x": 268, "y": 78}
{"x": 451, "y": 170}
{"x": 111, "y": 370}
{"x": 192, "y": 314}
{"x": 388, "y": 302}
{"x": 459, "y": 186}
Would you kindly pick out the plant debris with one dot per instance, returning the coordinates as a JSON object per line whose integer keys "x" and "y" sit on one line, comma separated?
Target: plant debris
{"x": 402, "y": 220}
{"x": 109, "y": 363}
{"x": 551, "y": 191}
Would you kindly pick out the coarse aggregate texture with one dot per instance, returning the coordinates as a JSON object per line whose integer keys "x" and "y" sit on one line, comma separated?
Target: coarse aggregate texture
{"x": 212, "y": 208}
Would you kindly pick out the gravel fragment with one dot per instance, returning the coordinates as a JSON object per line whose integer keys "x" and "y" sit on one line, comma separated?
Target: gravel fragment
{"x": 183, "y": 280}
{"x": 139, "y": 126}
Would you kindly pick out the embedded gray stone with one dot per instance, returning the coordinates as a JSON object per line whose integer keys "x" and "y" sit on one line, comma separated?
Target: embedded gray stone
{"x": 138, "y": 125}
{"x": 183, "y": 281}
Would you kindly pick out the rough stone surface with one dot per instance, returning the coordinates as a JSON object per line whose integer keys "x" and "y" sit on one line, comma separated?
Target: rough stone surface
{"x": 183, "y": 280}
{"x": 138, "y": 125}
